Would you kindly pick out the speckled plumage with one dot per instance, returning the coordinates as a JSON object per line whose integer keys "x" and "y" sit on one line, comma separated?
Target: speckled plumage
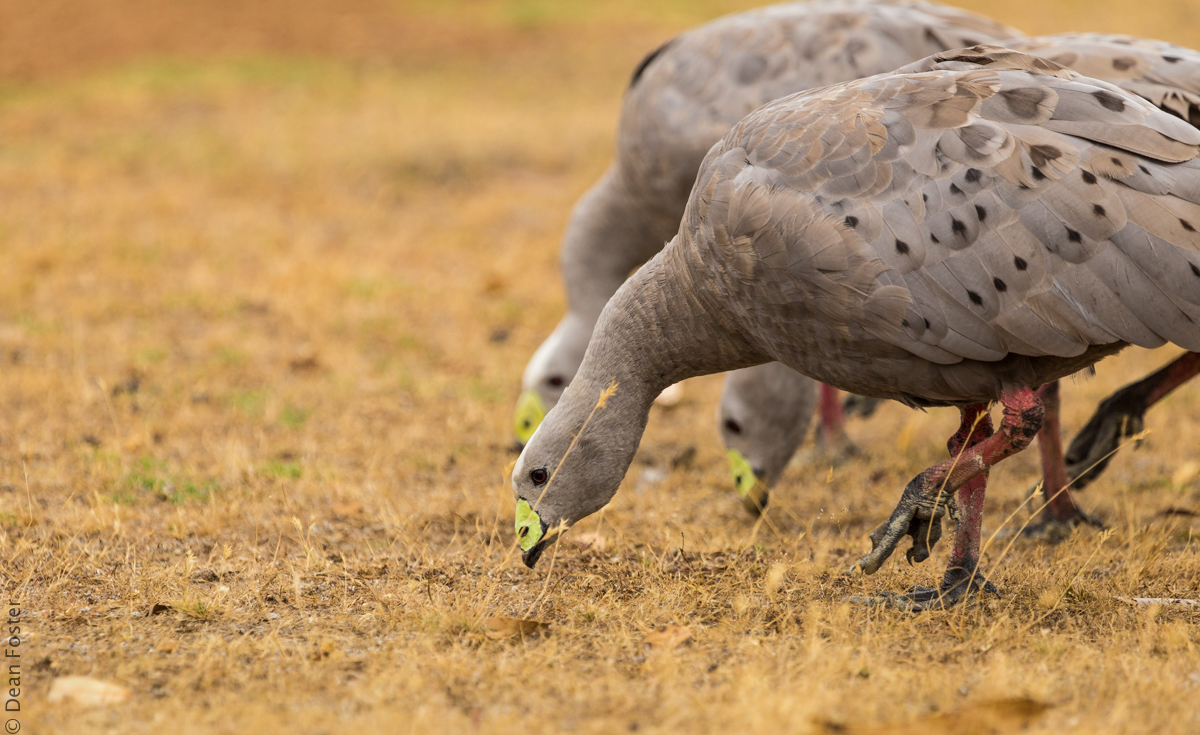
{"x": 1166, "y": 75}
{"x": 1046, "y": 221}
{"x": 990, "y": 218}
{"x": 683, "y": 98}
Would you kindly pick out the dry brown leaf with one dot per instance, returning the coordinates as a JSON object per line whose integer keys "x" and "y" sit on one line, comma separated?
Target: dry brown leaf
{"x": 984, "y": 718}
{"x": 668, "y": 638}
{"x": 85, "y": 691}
{"x": 590, "y": 541}
{"x": 502, "y": 627}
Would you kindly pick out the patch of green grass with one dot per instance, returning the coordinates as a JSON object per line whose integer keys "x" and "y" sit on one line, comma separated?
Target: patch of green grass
{"x": 190, "y": 491}
{"x": 230, "y": 356}
{"x": 153, "y": 476}
{"x": 284, "y": 470}
{"x": 293, "y": 417}
{"x": 121, "y": 496}
{"x": 197, "y": 609}
{"x": 249, "y": 402}
{"x": 152, "y": 355}
{"x": 481, "y": 391}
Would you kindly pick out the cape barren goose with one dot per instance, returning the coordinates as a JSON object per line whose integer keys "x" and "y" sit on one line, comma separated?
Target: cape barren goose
{"x": 966, "y": 231}
{"x": 757, "y": 420}
{"x": 681, "y": 100}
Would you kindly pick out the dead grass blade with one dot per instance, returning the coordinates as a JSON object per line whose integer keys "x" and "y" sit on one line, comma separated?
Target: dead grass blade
{"x": 501, "y": 627}
{"x": 1162, "y": 601}
{"x": 86, "y": 691}
{"x": 983, "y": 718}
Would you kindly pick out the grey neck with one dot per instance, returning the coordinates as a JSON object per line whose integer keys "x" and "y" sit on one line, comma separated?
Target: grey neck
{"x": 610, "y": 233}
{"x": 662, "y": 326}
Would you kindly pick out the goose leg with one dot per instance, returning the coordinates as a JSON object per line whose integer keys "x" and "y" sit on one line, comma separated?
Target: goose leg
{"x": 962, "y": 576}
{"x": 1061, "y": 512}
{"x": 833, "y": 421}
{"x": 925, "y": 498}
{"x": 1121, "y": 416}
{"x": 831, "y": 435}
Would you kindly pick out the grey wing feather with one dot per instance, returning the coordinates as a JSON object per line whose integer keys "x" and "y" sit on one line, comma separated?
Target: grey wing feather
{"x": 1058, "y": 214}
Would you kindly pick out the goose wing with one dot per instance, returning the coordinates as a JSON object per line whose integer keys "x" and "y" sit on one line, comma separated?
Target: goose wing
{"x": 688, "y": 93}
{"x": 982, "y": 204}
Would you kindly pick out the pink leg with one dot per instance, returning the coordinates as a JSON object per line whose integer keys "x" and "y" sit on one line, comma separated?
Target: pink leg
{"x": 832, "y": 431}
{"x": 923, "y": 503}
{"x": 1060, "y": 505}
{"x": 965, "y": 554}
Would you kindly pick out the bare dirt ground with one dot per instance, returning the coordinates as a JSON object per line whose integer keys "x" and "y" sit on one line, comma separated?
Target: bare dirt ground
{"x": 270, "y": 277}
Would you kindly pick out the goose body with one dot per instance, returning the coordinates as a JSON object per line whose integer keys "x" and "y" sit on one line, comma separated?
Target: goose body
{"x": 682, "y": 98}
{"x": 968, "y": 229}
{"x": 768, "y": 434}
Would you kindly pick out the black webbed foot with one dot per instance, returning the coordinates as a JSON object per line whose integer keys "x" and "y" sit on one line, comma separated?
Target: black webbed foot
{"x": 919, "y": 515}
{"x": 1053, "y": 530}
{"x": 957, "y": 586}
{"x": 1117, "y": 418}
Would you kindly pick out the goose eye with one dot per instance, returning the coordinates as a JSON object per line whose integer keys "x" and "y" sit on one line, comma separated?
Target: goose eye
{"x": 733, "y": 426}
{"x": 556, "y": 381}
{"x": 539, "y": 475}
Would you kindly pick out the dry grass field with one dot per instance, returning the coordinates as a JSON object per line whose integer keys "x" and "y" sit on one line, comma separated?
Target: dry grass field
{"x": 271, "y": 273}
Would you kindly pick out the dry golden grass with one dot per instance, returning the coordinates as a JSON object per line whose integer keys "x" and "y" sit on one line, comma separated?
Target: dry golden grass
{"x": 262, "y": 324}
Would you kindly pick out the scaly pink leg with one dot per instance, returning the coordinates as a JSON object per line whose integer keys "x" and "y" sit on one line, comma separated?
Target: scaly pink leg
{"x": 925, "y": 497}
{"x": 832, "y": 431}
{"x": 965, "y": 554}
{"x": 1061, "y": 507}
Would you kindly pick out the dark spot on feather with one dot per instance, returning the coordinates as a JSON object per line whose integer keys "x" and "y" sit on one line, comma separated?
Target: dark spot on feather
{"x": 1023, "y": 102}
{"x": 1042, "y": 153}
{"x": 973, "y": 175}
{"x": 934, "y": 238}
{"x": 1037, "y": 173}
{"x": 924, "y": 197}
{"x": 902, "y": 247}
{"x": 1089, "y": 177}
{"x": 904, "y": 323}
{"x": 1020, "y": 263}
{"x": 851, "y": 221}
{"x": 1123, "y": 63}
{"x": 1116, "y": 161}
{"x": 1073, "y": 236}
{"x": 927, "y": 321}
{"x": 747, "y": 160}
{"x": 975, "y": 298}
{"x": 980, "y": 212}
{"x": 955, "y": 190}
{"x": 958, "y": 227}
{"x": 1099, "y": 210}
{"x": 641, "y": 68}
{"x": 1195, "y": 270}
{"x": 1000, "y": 285}
{"x": 1171, "y": 59}
{"x": 1023, "y": 185}
{"x": 1144, "y": 169}
{"x": 1187, "y": 225}
{"x": 1108, "y": 99}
